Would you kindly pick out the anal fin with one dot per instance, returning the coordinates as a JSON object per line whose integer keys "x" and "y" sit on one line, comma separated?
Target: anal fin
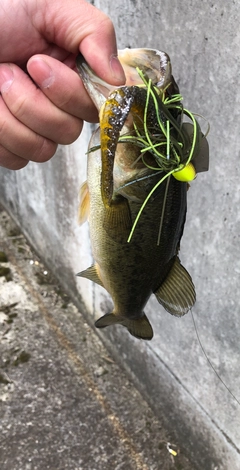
{"x": 177, "y": 293}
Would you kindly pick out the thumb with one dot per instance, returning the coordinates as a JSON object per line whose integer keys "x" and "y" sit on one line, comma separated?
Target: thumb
{"x": 78, "y": 26}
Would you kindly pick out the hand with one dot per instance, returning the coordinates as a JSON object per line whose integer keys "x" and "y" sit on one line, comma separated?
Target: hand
{"x": 43, "y": 102}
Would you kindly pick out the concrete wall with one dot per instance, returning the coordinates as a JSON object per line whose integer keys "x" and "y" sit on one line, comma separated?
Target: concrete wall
{"x": 203, "y": 41}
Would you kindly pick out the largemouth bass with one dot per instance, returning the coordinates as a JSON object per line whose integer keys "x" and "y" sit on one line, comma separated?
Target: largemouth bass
{"x": 119, "y": 179}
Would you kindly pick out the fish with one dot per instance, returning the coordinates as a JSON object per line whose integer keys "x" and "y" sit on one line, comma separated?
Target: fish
{"x": 119, "y": 180}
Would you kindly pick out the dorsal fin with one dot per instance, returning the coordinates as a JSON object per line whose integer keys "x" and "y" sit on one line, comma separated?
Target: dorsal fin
{"x": 91, "y": 273}
{"x": 84, "y": 204}
{"x": 177, "y": 293}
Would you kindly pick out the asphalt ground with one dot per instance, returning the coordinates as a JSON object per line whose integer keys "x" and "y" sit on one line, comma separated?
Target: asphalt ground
{"x": 64, "y": 402}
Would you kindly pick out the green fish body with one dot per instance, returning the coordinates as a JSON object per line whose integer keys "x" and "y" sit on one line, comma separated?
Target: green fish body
{"x": 118, "y": 182}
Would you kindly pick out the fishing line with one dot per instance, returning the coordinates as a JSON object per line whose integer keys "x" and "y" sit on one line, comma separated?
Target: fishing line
{"x": 138, "y": 179}
{"x": 145, "y": 202}
{"x": 168, "y": 140}
{"x": 210, "y": 363}
{"x": 195, "y": 133}
{"x": 208, "y": 124}
{"x": 163, "y": 211}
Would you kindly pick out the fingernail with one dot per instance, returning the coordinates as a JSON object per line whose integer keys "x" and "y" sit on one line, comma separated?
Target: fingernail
{"x": 6, "y": 77}
{"x": 117, "y": 69}
{"x": 41, "y": 73}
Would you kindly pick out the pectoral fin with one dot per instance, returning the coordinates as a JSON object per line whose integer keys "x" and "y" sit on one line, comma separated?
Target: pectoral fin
{"x": 91, "y": 274}
{"x": 177, "y": 293}
{"x": 140, "y": 328}
{"x": 117, "y": 220}
{"x": 84, "y": 204}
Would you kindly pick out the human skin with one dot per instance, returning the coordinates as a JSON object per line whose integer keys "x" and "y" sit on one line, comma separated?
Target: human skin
{"x": 43, "y": 102}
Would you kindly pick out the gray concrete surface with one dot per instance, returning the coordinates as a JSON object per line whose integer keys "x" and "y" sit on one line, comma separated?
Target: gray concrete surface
{"x": 202, "y": 39}
{"x": 64, "y": 402}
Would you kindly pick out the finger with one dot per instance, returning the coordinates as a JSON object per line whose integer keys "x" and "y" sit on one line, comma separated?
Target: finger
{"x": 17, "y": 140}
{"x": 11, "y": 161}
{"x": 85, "y": 25}
{"x": 33, "y": 109}
{"x": 62, "y": 86}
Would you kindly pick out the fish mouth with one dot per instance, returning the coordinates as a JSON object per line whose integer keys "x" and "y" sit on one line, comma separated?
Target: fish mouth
{"x": 154, "y": 64}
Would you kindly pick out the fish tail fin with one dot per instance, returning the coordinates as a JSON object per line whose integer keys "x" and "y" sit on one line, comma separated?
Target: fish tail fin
{"x": 140, "y": 328}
